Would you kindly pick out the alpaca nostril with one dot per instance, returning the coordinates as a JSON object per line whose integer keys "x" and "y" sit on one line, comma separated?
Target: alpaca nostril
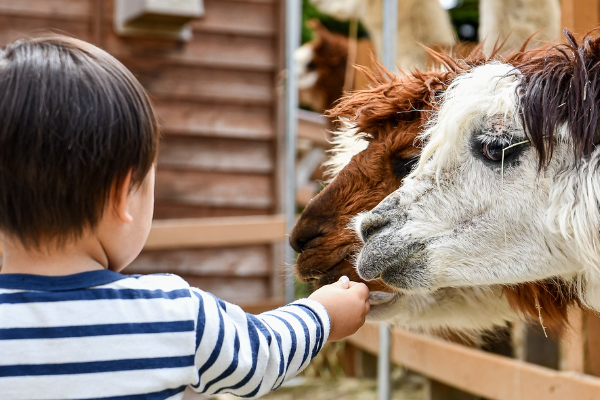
{"x": 297, "y": 243}
{"x": 302, "y": 234}
{"x": 370, "y": 225}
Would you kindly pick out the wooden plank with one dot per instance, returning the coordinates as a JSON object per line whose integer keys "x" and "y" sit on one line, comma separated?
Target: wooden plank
{"x": 480, "y": 373}
{"x": 246, "y": 18}
{"x": 210, "y": 119}
{"x": 182, "y": 82}
{"x": 213, "y": 232}
{"x": 592, "y": 350}
{"x": 47, "y": 9}
{"x": 223, "y": 155}
{"x": 235, "y": 291}
{"x": 245, "y": 261}
{"x": 214, "y": 189}
{"x": 167, "y": 210}
{"x": 205, "y": 49}
{"x": 16, "y": 27}
{"x": 580, "y": 16}
{"x": 314, "y": 127}
{"x": 572, "y": 349}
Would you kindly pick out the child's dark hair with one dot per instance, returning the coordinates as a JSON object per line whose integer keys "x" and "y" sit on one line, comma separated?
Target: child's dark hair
{"x": 73, "y": 123}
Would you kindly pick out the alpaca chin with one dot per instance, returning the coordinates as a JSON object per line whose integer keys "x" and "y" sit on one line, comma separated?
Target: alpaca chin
{"x": 456, "y": 309}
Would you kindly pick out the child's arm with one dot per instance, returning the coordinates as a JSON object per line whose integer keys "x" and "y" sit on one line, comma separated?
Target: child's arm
{"x": 250, "y": 355}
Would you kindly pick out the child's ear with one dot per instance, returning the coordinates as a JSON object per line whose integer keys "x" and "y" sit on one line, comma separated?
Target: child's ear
{"x": 121, "y": 200}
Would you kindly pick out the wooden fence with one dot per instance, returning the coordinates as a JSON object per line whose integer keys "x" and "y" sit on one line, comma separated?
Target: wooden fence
{"x": 468, "y": 369}
{"x": 477, "y": 372}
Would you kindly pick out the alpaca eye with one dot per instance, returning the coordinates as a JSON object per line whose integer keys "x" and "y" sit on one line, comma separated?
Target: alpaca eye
{"x": 493, "y": 151}
{"x": 311, "y": 66}
{"x": 403, "y": 167}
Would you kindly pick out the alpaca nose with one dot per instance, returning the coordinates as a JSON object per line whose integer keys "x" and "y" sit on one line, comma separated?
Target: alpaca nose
{"x": 370, "y": 224}
{"x": 298, "y": 239}
{"x": 305, "y": 230}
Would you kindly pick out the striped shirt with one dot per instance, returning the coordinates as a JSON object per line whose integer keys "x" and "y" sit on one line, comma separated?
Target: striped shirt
{"x": 102, "y": 334}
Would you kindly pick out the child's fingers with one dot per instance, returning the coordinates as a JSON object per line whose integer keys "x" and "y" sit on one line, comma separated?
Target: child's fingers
{"x": 344, "y": 282}
{"x": 361, "y": 289}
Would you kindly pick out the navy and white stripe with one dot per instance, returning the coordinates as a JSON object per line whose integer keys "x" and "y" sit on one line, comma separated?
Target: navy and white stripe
{"x": 105, "y": 335}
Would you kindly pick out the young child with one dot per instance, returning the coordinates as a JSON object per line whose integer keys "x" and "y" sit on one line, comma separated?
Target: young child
{"x": 78, "y": 145}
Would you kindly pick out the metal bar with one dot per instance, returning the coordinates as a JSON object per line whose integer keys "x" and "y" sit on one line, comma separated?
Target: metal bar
{"x": 390, "y": 28}
{"x": 293, "y": 12}
{"x": 384, "y": 391}
{"x": 388, "y": 57}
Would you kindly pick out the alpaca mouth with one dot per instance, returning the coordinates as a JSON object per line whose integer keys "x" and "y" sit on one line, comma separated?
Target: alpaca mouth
{"x": 382, "y": 304}
{"x": 313, "y": 266}
{"x": 377, "y": 298}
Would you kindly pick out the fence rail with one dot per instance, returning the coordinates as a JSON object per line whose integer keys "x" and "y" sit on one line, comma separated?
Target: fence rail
{"x": 465, "y": 368}
{"x": 477, "y": 372}
{"x": 215, "y": 232}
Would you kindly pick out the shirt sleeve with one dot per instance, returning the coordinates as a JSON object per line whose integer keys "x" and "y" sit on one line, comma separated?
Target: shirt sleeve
{"x": 250, "y": 355}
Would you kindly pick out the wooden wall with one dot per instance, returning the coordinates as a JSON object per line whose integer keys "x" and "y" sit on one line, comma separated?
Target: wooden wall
{"x": 218, "y": 102}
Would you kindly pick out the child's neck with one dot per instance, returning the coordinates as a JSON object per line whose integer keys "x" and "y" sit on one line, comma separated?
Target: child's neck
{"x": 83, "y": 255}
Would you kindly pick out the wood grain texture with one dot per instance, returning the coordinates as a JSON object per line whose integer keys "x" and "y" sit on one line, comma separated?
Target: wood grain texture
{"x": 219, "y": 155}
{"x": 216, "y": 232}
{"x": 214, "y": 189}
{"x": 174, "y": 210}
{"x": 244, "y": 261}
{"x": 205, "y": 49}
{"x": 204, "y": 118}
{"x": 182, "y": 82}
{"x": 480, "y": 373}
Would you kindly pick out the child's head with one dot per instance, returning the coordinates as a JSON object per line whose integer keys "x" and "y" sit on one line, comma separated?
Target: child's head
{"x": 74, "y": 122}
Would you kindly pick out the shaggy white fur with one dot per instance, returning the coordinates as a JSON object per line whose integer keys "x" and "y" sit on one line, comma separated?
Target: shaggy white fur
{"x": 468, "y": 216}
{"x": 346, "y": 142}
{"x": 419, "y": 21}
{"x": 302, "y": 57}
{"x": 468, "y": 311}
{"x": 465, "y": 310}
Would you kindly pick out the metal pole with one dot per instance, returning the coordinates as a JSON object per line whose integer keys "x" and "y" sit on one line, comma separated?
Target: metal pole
{"x": 390, "y": 27}
{"x": 293, "y": 13}
{"x": 388, "y": 58}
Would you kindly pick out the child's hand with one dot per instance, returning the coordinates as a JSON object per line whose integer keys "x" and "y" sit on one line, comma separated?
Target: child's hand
{"x": 347, "y": 303}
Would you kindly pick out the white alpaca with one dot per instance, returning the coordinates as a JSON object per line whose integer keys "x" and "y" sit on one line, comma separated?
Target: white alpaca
{"x": 467, "y": 311}
{"x": 516, "y": 20}
{"x": 419, "y": 21}
{"x": 477, "y": 210}
{"x": 426, "y": 22}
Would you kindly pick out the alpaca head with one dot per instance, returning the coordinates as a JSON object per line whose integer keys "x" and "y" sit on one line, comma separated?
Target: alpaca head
{"x": 506, "y": 190}
{"x": 321, "y": 66}
{"x": 373, "y": 153}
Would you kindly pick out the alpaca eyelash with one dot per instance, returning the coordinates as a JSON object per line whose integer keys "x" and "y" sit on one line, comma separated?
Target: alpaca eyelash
{"x": 503, "y": 140}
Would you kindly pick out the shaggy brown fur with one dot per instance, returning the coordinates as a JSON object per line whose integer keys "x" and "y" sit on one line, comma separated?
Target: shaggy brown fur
{"x": 329, "y": 62}
{"x": 393, "y": 113}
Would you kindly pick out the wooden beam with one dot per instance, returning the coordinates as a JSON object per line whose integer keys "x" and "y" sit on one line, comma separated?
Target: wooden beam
{"x": 480, "y": 373}
{"x": 260, "y": 306}
{"x": 213, "y": 232}
{"x": 572, "y": 347}
{"x": 313, "y": 126}
{"x": 580, "y": 16}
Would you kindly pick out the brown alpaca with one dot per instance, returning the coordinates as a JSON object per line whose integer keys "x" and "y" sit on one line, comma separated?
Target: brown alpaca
{"x": 321, "y": 66}
{"x": 390, "y": 116}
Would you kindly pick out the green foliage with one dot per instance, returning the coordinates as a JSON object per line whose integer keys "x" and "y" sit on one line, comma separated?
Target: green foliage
{"x": 466, "y": 13}
{"x": 310, "y": 12}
